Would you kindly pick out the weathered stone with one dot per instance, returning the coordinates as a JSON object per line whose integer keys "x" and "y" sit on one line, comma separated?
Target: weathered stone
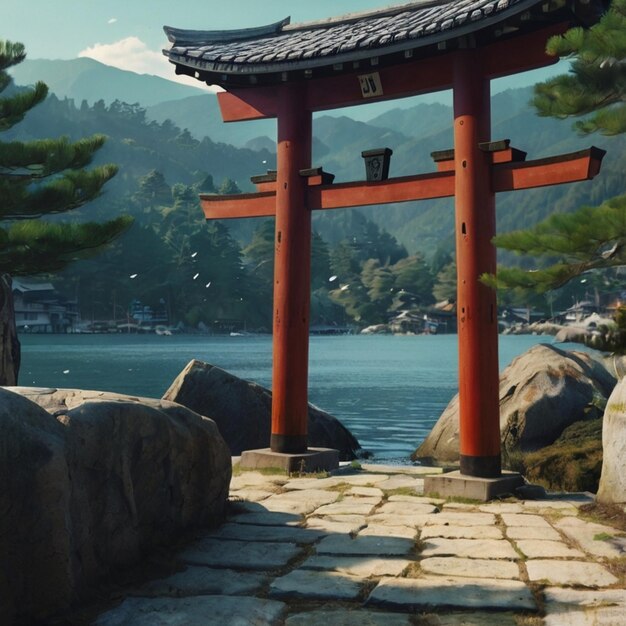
{"x": 532, "y": 532}
{"x": 35, "y": 493}
{"x": 471, "y": 548}
{"x": 349, "y": 506}
{"x": 541, "y": 549}
{"x": 578, "y": 607}
{"x": 413, "y": 470}
{"x": 462, "y": 532}
{"x": 364, "y": 479}
{"x": 258, "y": 480}
{"x": 475, "y": 618}
{"x": 363, "y": 567}
{"x": 578, "y": 573}
{"x": 541, "y": 393}
{"x": 612, "y": 488}
{"x": 204, "y": 581}
{"x": 462, "y": 519}
{"x": 242, "y": 411}
{"x": 416, "y": 499}
{"x": 407, "y": 508}
{"x": 313, "y": 483}
{"x": 267, "y": 518}
{"x": 596, "y": 539}
{"x": 381, "y": 530}
{"x": 251, "y": 494}
{"x": 244, "y": 555}
{"x": 138, "y": 473}
{"x": 302, "y": 502}
{"x": 372, "y": 545}
{"x": 194, "y": 611}
{"x": 501, "y": 507}
{"x": 347, "y": 618}
{"x": 511, "y": 519}
{"x": 371, "y": 492}
{"x": 389, "y": 519}
{"x": 403, "y": 482}
{"x": 249, "y": 532}
{"x": 316, "y": 585}
{"x": 415, "y": 593}
{"x": 470, "y": 568}
{"x": 334, "y": 525}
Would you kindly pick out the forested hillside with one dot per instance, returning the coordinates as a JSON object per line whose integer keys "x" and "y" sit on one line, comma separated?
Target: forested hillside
{"x": 368, "y": 264}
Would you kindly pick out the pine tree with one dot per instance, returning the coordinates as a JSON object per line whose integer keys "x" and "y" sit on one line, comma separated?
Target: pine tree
{"x": 595, "y": 89}
{"x": 40, "y": 178}
{"x": 596, "y": 85}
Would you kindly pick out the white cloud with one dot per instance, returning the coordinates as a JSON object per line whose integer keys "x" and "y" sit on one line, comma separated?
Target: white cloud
{"x": 134, "y": 55}
{"x": 112, "y": 20}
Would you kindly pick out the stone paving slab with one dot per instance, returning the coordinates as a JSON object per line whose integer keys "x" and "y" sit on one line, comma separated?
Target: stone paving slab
{"x": 372, "y": 545}
{"x": 364, "y": 479}
{"x": 250, "y": 532}
{"x": 569, "y": 573}
{"x": 416, "y": 499}
{"x": 501, "y": 507}
{"x": 244, "y": 555}
{"x": 596, "y": 539}
{"x": 195, "y": 611}
{"x": 311, "y": 584}
{"x": 470, "y": 548}
{"x": 389, "y": 519}
{"x": 363, "y": 567}
{"x": 462, "y": 532}
{"x": 332, "y": 527}
{"x": 313, "y": 483}
{"x": 576, "y": 607}
{"x": 407, "y": 593}
{"x": 381, "y": 530}
{"x": 204, "y": 581}
{"x": 268, "y": 518}
{"x": 474, "y": 618}
{"x": 349, "y": 506}
{"x": 407, "y": 508}
{"x": 462, "y": 519}
{"x": 371, "y": 492}
{"x": 251, "y": 494}
{"x": 303, "y": 502}
{"x": 539, "y": 549}
{"x": 256, "y": 479}
{"x": 513, "y": 519}
{"x": 470, "y": 568}
{"x": 403, "y": 482}
{"x": 348, "y": 618}
{"x": 532, "y": 532}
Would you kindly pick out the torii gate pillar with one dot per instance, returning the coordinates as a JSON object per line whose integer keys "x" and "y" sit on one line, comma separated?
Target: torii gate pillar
{"x": 475, "y": 214}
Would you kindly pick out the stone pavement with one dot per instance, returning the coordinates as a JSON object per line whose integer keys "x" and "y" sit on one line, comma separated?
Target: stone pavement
{"x": 366, "y": 547}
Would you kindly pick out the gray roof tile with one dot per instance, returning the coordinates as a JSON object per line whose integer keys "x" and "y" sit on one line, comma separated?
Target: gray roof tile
{"x": 281, "y": 46}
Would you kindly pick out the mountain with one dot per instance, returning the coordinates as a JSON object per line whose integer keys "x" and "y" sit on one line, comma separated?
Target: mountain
{"x": 88, "y": 79}
{"x": 200, "y": 114}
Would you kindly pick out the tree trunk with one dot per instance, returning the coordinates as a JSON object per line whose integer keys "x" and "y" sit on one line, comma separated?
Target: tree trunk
{"x": 9, "y": 343}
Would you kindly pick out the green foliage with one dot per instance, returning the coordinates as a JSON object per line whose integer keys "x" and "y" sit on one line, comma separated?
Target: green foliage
{"x": 590, "y": 238}
{"x": 44, "y": 177}
{"x": 445, "y": 283}
{"x": 596, "y": 85}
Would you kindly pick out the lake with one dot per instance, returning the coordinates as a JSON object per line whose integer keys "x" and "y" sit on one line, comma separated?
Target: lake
{"x": 388, "y": 390}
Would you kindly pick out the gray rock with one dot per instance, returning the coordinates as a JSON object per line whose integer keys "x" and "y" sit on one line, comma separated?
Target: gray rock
{"x": 470, "y": 568}
{"x": 368, "y": 545}
{"x": 470, "y": 548}
{"x": 316, "y": 585}
{"x": 127, "y": 474}
{"x": 249, "y": 532}
{"x": 579, "y": 573}
{"x": 363, "y": 567}
{"x": 542, "y": 392}
{"x": 242, "y": 411}
{"x": 348, "y": 618}
{"x": 612, "y": 488}
{"x": 222, "y": 610}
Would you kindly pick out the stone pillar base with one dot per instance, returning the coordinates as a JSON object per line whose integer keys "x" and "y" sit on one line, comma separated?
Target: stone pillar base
{"x": 455, "y": 484}
{"x": 313, "y": 460}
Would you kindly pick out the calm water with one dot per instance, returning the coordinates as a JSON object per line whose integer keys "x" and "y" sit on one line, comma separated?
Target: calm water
{"x": 387, "y": 390}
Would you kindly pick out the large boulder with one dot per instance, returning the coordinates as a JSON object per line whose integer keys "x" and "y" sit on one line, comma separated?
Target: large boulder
{"x": 612, "y": 487}
{"x": 110, "y": 477}
{"x": 242, "y": 411}
{"x": 542, "y": 392}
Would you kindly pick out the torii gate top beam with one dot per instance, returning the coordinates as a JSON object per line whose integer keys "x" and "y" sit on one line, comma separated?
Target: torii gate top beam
{"x": 355, "y": 58}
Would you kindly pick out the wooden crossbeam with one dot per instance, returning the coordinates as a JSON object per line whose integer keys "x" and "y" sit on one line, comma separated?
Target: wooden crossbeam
{"x": 506, "y": 175}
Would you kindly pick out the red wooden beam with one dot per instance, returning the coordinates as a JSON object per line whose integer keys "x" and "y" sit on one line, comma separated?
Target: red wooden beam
{"x": 566, "y": 168}
{"x": 508, "y": 56}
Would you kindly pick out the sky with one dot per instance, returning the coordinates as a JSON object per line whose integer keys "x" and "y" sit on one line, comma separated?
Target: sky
{"x": 129, "y": 33}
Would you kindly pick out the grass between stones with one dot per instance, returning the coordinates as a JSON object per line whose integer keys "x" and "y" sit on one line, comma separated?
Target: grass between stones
{"x": 607, "y": 514}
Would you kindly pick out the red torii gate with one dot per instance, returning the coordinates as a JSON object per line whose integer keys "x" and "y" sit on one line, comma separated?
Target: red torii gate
{"x": 288, "y": 72}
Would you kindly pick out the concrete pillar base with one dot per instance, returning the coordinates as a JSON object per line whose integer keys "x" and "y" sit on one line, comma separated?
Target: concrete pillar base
{"x": 455, "y": 484}
{"x": 313, "y": 460}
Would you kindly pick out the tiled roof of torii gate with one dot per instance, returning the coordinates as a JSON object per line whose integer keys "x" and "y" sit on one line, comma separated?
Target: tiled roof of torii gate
{"x": 282, "y": 51}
